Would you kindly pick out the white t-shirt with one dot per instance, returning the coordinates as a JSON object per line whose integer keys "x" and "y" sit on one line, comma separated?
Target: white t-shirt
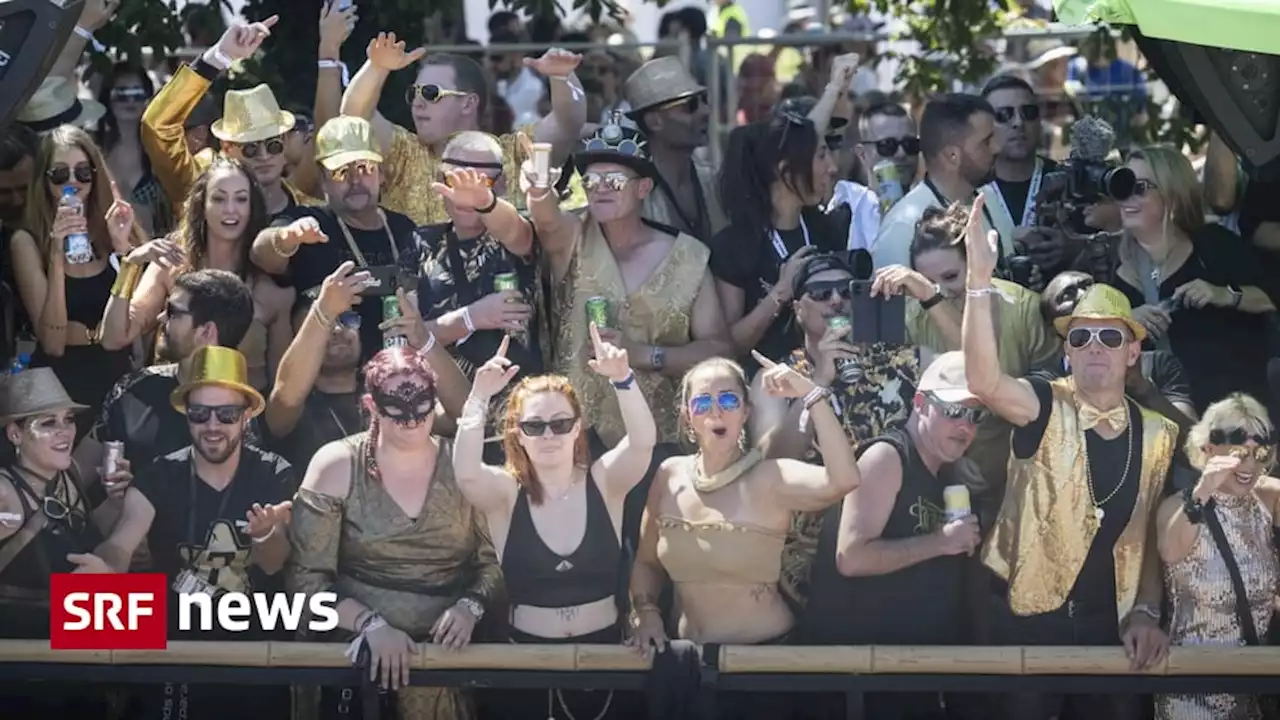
{"x": 523, "y": 95}
{"x": 898, "y": 228}
{"x": 864, "y": 207}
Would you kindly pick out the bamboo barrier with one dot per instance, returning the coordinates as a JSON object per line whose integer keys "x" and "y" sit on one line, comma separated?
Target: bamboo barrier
{"x": 737, "y": 659}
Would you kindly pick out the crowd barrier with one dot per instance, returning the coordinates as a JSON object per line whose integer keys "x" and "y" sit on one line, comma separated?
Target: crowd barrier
{"x": 852, "y": 671}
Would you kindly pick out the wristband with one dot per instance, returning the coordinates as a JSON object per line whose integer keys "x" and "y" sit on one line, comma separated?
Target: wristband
{"x": 816, "y": 395}
{"x": 625, "y": 383}
{"x": 988, "y": 290}
{"x": 374, "y": 622}
{"x": 471, "y": 326}
{"x": 493, "y": 204}
{"x": 325, "y": 320}
{"x": 264, "y": 538}
{"x": 126, "y": 280}
{"x": 91, "y": 39}
{"x": 428, "y": 346}
{"x": 338, "y": 64}
{"x": 1191, "y": 507}
{"x": 216, "y": 58}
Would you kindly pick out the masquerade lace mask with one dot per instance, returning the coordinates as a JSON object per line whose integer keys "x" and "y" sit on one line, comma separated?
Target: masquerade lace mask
{"x": 408, "y": 404}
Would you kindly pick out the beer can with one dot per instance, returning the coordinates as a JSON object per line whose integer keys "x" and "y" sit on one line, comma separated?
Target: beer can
{"x": 848, "y": 369}
{"x": 841, "y": 323}
{"x": 114, "y": 450}
{"x": 598, "y": 311}
{"x": 391, "y": 311}
{"x": 888, "y": 184}
{"x": 506, "y": 281}
{"x": 956, "y": 499}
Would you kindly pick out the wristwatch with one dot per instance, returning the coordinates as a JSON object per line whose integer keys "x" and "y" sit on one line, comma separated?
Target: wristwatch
{"x": 931, "y": 302}
{"x": 1149, "y": 611}
{"x": 658, "y": 358}
{"x": 1236, "y": 295}
{"x": 472, "y": 606}
{"x": 1191, "y": 507}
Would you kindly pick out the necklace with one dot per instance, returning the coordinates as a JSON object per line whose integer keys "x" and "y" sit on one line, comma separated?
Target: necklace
{"x": 710, "y": 483}
{"x": 551, "y": 712}
{"x": 1098, "y": 512}
{"x": 573, "y": 484}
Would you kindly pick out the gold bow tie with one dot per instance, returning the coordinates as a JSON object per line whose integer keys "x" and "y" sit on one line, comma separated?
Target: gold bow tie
{"x": 1117, "y": 417}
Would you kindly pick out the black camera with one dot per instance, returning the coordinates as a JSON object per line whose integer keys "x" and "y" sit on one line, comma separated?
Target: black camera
{"x": 1081, "y": 181}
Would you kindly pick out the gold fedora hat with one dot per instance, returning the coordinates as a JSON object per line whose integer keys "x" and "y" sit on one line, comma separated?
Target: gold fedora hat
{"x": 657, "y": 82}
{"x": 56, "y": 103}
{"x": 34, "y": 392}
{"x": 346, "y": 139}
{"x": 251, "y": 115}
{"x": 221, "y": 367}
{"x": 1102, "y": 302}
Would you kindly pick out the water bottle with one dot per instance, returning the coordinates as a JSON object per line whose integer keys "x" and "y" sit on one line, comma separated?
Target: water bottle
{"x": 20, "y": 363}
{"x": 78, "y": 248}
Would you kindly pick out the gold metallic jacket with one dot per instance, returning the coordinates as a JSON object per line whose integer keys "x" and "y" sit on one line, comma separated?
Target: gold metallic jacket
{"x": 1045, "y": 526}
{"x": 164, "y": 137}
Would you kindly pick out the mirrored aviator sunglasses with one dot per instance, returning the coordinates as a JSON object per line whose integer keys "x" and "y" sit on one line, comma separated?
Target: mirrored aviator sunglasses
{"x": 349, "y": 320}
{"x": 727, "y": 400}
{"x": 272, "y": 146}
{"x": 614, "y": 181}
{"x": 958, "y": 411}
{"x": 1110, "y": 338}
{"x": 537, "y": 428}
{"x": 61, "y": 174}
{"x": 359, "y": 168}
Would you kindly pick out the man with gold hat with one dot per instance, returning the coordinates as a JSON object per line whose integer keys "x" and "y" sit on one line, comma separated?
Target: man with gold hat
{"x": 1073, "y": 555}
{"x": 309, "y": 243}
{"x": 252, "y": 127}
{"x": 451, "y": 94}
{"x": 212, "y": 510}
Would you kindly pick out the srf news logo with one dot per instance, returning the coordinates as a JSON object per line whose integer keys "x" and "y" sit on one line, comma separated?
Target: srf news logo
{"x": 130, "y": 611}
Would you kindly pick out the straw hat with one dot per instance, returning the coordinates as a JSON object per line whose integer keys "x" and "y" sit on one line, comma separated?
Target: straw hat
{"x": 251, "y": 115}
{"x": 33, "y": 392}
{"x": 657, "y": 82}
{"x": 56, "y": 103}
{"x": 345, "y": 140}
{"x": 614, "y": 143}
{"x": 218, "y": 367}
{"x": 1102, "y": 302}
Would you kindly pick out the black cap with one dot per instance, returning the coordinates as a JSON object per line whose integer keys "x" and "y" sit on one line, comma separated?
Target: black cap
{"x": 816, "y": 263}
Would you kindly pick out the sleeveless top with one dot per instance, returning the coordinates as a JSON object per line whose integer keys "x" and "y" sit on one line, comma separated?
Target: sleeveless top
{"x": 539, "y": 577}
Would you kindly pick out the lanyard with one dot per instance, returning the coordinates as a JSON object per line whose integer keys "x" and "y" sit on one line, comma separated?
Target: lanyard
{"x": 945, "y": 203}
{"x": 781, "y": 248}
{"x": 191, "y": 508}
{"x": 355, "y": 249}
{"x": 1028, "y": 209}
{"x": 698, "y": 226}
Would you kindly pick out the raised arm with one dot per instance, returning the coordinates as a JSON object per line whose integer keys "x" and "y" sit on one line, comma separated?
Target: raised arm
{"x": 335, "y": 27}
{"x": 1010, "y": 398}
{"x": 139, "y": 293}
{"x": 489, "y": 488}
{"x": 385, "y": 56}
{"x": 275, "y": 245}
{"x": 624, "y": 466}
{"x": 843, "y": 69}
{"x": 467, "y": 190}
{"x": 562, "y": 127}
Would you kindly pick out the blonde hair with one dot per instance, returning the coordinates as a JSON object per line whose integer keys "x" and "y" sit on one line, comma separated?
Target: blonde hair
{"x": 711, "y": 366}
{"x": 1236, "y": 410}
{"x": 1179, "y": 186}
{"x": 473, "y": 141}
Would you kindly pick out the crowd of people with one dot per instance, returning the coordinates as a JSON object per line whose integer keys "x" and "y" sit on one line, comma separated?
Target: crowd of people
{"x": 577, "y": 383}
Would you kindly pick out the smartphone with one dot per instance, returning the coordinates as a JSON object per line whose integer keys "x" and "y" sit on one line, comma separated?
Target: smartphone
{"x": 383, "y": 280}
{"x": 542, "y": 164}
{"x": 876, "y": 319}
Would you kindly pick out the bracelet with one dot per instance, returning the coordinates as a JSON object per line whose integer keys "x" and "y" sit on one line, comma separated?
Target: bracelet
{"x": 264, "y": 538}
{"x": 126, "y": 280}
{"x": 324, "y": 64}
{"x": 218, "y": 59}
{"x": 325, "y": 320}
{"x": 493, "y": 204}
{"x": 816, "y": 395}
{"x": 469, "y": 323}
{"x": 625, "y": 383}
{"x": 988, "y": 290}
{"x": 275, "y": 247}
{"x": 429, "y": 345}
{"x": 361, "y": 618}
{"x": 92, "y": 40}
{"x": 369, "y": 625}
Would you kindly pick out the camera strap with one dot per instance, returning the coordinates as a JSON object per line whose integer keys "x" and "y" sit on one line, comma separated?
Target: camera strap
{"x": 1029, "y": 208}
{"x": 986, "y": 211}
{"x": 781, "y": 247}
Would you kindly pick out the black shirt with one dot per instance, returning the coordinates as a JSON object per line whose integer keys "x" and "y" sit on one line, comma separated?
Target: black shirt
{"x": 1015, "y": 193}
{"x": 314, "y": 263}
{"x": 325, "y": 417}
{"x": 215, "y": 548}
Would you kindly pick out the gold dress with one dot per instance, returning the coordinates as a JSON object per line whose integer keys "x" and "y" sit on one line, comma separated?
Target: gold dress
{"x": 1204, "y": 603}
{"x": 408, "y": 570}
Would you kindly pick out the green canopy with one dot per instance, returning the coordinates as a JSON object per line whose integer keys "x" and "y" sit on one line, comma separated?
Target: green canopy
{"x": 1249, "y": 25}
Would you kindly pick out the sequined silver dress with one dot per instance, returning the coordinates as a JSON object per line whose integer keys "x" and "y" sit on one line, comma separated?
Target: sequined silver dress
{"x": 1204, "y": 601}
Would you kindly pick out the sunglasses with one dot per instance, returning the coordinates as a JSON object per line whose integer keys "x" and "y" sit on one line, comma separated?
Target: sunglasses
{"x": 349, "y": 320}
{"x": 303, "y": 125}
{"x": 485, "y": 179}
{"x": 61, "y": 174}
{"x": 173, "y": 311}
{"x": 1142, "y": 188}
{"x": 1238, "y": 436}
{"x": 430, "y": 93}
{"x": 359, "y": 168}
{"x": 824, "y": 290}
{"x": 728, "y": 400}
{"x": 689, "y": 104}
{"x": 1029, "y": 112}
{"x": 226, "y": 414}
{"x": 538, "y": 428}
{"x": 888, "y": 147}
{"x": 834, "y": 142}
{"x": 130, "y": 94}
{"x": 58, "y": 511}
{"x": 614, "y": 180}
{"x": 958, "y": 411}
{"x": 273, "y": 146}
{"x": 1110, "y": 338}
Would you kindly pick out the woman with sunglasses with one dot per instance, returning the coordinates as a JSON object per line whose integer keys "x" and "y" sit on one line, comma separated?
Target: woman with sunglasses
{"x": 775, "y": 175}
{"x": 125, "y": 92}
{"x": 556, "y": 515}
{"x": 1216, "y": 539}
{"x": 380, "y": 520}
{"x": 1201, "y": 291}
{"x": 716, "y": 520}
{"x": 66, "y": 300}
{"x": 221, "y": 217}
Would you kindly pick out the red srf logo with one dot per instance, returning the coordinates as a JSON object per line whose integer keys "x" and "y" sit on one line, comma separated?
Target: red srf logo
{"x": 108, "y": 612}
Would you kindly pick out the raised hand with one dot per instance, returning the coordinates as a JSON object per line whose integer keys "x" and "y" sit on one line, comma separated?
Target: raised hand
{"x": 335, "y": 27}
{"x": 980, "y": 246}
{"x": 1217, "y": 470}
{"x": 410, "y": 324}
{"x": 341, "y": 290}
{"x": 118, "y": 482}
{"x": 528, "y": 176}
{"x": 786, "y": 276}
{"x": 119, "y": 219}
{"x": 554, "y": 63}
{"x": 165, "y": 253}
{"x": 386, "y": 53}
{"x": 466, "y": 189}
{"x": 781, "y": 380}
{"x": 610, "y": 360}
{"x": 843, "y": 69}
{"x": 262, "y": 520}
{"x": 494, "y": 375}
{"x": 241, "y": 40}
{"x": 898, "y": 279}
{"x": 304, "y": 231}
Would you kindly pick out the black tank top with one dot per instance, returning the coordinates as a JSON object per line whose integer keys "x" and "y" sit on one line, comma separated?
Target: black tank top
{"x": 915, "y": 605}
{"x": 539, "y": 577}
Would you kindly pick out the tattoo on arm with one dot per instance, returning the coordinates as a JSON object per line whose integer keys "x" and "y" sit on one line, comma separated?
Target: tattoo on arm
{"x": 760, "y": 592}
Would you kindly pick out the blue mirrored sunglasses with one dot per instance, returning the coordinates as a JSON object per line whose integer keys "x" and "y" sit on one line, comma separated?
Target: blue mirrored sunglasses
{"x": 728, "y": 401}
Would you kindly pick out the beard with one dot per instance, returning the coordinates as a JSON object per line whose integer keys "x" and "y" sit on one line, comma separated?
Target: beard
{"x": 976, "y": 175}
{"x": 220, "y": 450}
{"x": 169, "y": 348}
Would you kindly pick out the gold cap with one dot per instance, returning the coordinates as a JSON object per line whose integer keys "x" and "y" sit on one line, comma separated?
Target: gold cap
{"x": 218, "y": 367}
{"x": 251, "y": 115}
{"x": 1102, "y": 302}
{"x": 33, "y": 392}
{"x": 346, "y": 139}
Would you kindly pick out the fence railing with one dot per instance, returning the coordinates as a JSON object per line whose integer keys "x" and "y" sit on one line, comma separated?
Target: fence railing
{"x": 852, "y": 671}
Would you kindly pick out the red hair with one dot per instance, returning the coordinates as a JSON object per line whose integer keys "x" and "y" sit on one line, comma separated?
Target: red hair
{"x": 518, "y": 463}
{"x": 392, "y": 363}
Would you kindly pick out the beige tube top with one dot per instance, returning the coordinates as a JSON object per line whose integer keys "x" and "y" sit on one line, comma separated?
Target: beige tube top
{"x": 719, "y": 552}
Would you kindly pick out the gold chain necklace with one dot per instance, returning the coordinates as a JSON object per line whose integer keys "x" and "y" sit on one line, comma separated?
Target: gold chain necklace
{"x": 1098, "y": 512}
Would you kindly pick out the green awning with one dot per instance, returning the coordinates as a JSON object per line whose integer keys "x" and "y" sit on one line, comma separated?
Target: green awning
{"x": 1249, "y": 25}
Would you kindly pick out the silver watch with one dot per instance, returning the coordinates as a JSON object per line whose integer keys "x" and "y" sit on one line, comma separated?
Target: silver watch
{"x": 1149, "y": 611}
{"x": 472, "y": 606}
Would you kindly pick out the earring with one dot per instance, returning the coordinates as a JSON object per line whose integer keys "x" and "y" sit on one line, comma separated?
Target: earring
{"x": 1066, "y": 363}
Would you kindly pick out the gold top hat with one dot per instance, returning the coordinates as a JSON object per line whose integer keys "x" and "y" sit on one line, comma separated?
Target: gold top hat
{"x": 344, "y": 140}
{"x": 55, "y": 103}
{"x": 219, "y": 367}
{"x": 661, "y": 80}
{"x": 251, "y": 115}
{"x": 1102, "y": 302}
{"x": 34, "y": 392}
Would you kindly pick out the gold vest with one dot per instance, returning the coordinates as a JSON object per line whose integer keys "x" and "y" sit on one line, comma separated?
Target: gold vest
{"x": 1046, "y": 526}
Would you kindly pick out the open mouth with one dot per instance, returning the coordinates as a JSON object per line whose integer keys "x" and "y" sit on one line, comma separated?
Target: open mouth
{"x": 62, "y": 447}
{"x": 720, "y": 431}
{"x": 1244, "y": 478}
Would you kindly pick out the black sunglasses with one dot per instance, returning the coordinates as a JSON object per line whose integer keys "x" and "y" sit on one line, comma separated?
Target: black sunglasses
{"x": 226, "y": 414}
{"x": 273, "y": 146}
{"x": 349, "y": 320}
{"x": 1109, "y": 337}
{"x": 173, "y": 311}
{"x": 59, "y": 512}
{"x": 430, "y": 93}
{"x": 824, "y": 290}
{"x": 536, "y": 428}
{"x": 888, "y": 147}
{"x": 1238, "y": 436}
{"x": 1142, "y": 188}
{"x": 1029, "y": 112}
{"x": 957, "y": 411}
{"x": 61, "y": 174}
{"x": 130, "y": 94}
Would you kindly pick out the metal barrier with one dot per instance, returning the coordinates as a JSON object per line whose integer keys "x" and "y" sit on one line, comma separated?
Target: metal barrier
{"x": 851, "y": 671}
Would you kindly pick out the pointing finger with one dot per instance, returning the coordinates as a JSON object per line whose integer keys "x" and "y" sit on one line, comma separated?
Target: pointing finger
{"x": 764, "y": 361}
{"x": 271, "y": 21}
{"x": 115, "y": 191}
{"x": 502, "y": 347}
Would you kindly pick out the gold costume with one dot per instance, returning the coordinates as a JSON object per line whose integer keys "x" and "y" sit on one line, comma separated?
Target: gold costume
{"x": 659, "y": 209}
{"x": 165, "y": 139}
{"x": 1046, "y": 523}
{"x": 409, "y": 168}
{"x": 407, "y": 570}
{"x": 659, "y": 312}
{"x": 1204, "y": 602}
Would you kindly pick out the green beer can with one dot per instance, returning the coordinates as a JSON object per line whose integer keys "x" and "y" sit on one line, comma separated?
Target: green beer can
{"x": 506, "y": 281}
{"x": 598, "y": 311}
{"x": 391, "y": 311}
{"x": 848, "y": 369}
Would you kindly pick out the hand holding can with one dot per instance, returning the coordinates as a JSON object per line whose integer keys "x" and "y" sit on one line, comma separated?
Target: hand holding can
{"x": 956, "y": 499}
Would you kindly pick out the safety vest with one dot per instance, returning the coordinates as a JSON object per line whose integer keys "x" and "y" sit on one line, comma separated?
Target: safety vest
{"x": 733, "y": 12}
